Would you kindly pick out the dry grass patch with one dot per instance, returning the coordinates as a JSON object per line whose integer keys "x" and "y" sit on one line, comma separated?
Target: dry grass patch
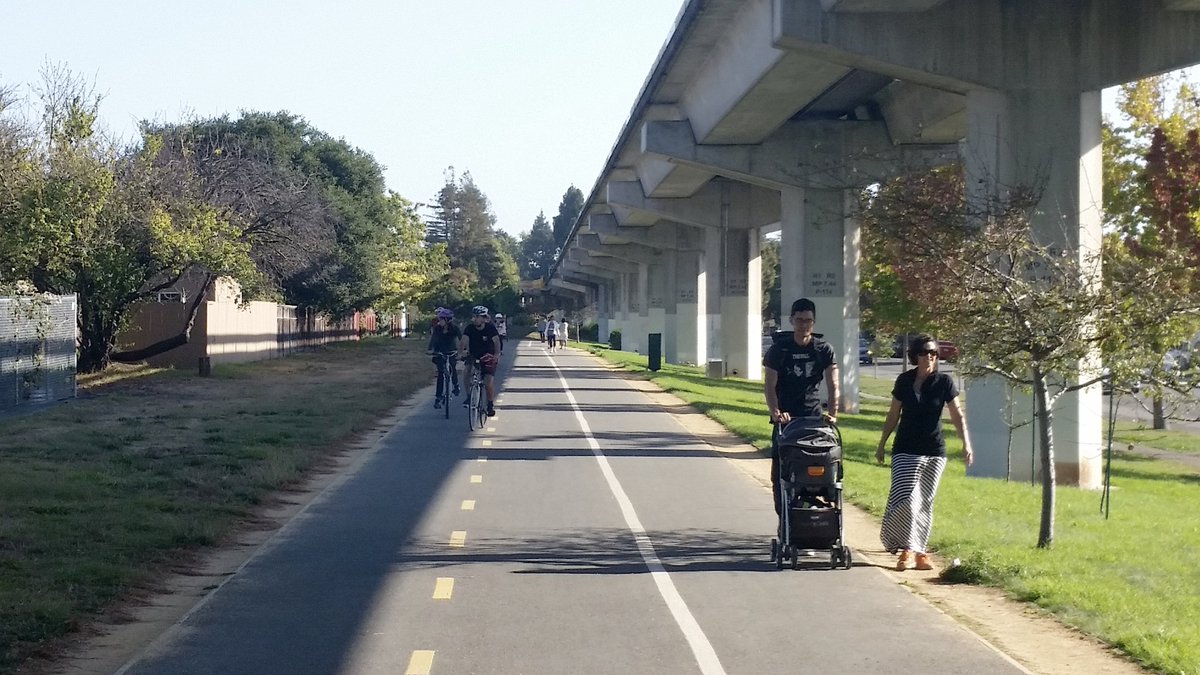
{"x": 100, "y": 495}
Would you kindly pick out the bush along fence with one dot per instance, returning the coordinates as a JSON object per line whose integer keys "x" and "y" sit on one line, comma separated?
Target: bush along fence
{"x": 37, "y": 349}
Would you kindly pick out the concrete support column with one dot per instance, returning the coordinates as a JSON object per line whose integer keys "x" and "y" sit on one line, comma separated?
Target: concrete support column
{"x": 656, "y": 289}
{"x": 604, "y": 310}
{"x": 639, "y": 309}
{"x": 691, "y": 313}
{"x": 709, "y": 295}
{"x": 670, "y": 308}
{"x": 819, "y": 245}
{"x": 1015, "y": 140}
{"x": 741, "y": 304}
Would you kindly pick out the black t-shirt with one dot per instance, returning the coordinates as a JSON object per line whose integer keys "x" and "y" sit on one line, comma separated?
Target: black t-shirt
{"x": 801, "y": 370}
{"x": 446, "y": 339}
{"x": 479, "y": 340}
{"x": 920, "y": 429}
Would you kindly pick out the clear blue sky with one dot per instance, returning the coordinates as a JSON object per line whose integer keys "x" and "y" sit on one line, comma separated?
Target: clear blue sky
{"x": 527, "y": 95}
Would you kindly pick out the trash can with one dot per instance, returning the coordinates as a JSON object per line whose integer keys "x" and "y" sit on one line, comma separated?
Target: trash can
{"x": 654, "y": 354}
{"x": 716, "y": 369}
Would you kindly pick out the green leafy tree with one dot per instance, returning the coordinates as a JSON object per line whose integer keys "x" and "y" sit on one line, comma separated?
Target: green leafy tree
{"x": 113, "y": 225}
{"x": 488, "y": 272}
{"x": 568, "y": 212}
{"x": 1031, "y": 313}
{"x": 413, "y": 267}
{"x": 538, "y": 249}
{"x": 772, "y": 281}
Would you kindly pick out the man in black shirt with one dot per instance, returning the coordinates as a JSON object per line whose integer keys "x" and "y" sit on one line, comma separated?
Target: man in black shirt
{"x": 794, "y": 370}
{"x": 481, "y": 341}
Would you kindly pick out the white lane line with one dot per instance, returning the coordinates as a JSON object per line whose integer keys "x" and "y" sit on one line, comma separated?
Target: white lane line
{"x": 702, "y": 649}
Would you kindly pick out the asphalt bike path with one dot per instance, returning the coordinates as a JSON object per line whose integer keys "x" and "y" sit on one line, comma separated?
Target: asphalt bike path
{"x": 584, "y": 530}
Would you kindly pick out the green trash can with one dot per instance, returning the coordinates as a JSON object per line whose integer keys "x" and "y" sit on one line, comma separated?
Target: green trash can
{"x": 654, "y": 355}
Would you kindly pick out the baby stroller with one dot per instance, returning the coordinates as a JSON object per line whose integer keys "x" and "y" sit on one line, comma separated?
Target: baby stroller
{"x": 810, "y": 483}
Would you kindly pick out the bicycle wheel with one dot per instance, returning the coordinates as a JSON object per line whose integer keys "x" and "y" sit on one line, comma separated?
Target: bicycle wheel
{"x": 482, "y": 410}
{"x": 446, "y": 398}
{"x": 473, "y": 408}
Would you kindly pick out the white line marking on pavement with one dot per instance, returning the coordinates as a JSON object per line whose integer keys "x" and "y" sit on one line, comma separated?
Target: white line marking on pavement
{"x": 702, "y": 649}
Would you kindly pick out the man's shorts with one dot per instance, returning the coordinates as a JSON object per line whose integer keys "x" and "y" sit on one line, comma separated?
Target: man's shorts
{"x": 488, "y": 361}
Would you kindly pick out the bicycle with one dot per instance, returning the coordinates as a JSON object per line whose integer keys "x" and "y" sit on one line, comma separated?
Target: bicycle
{"x": 477, "y": 406}
{"x": 446, "y": 375}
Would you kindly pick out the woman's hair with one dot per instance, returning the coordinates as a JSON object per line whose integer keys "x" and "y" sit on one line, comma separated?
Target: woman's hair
{"x": 914, "y": 347}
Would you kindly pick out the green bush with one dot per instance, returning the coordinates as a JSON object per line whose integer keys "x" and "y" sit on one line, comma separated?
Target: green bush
{"x": 589, "y": 333}
{"x": 614, "y": 339}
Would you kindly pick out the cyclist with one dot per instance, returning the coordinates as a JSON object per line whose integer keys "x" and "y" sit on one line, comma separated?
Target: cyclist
{"x": 480, "y": 340}
{"x": 501, "y": 328}
{"x": 443, "y": 340}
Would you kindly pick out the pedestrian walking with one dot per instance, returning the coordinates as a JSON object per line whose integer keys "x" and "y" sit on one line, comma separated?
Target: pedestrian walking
{"x": 918, "y": 452}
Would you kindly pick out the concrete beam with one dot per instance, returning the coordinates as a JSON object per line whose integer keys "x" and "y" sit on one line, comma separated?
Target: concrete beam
{"x": 572, "y": 270}
{"x": 918, "y": 114}
{"x": 587, "y": 260}
{"x": 820, "y": 154}
{"x": 637, "y": 253}
{"x": 1011, "y": 45}
{"x": 746, "y": 86}
{"x": 747, "y": 206}
{"x": 879, "y": 5}
{"x": 664, "y": 234}
{"x": 568, "y": 286}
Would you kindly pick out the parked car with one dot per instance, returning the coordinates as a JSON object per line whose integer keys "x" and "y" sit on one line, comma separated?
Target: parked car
{"x": 947, "y": 351}
{"x": 864, "y": 352}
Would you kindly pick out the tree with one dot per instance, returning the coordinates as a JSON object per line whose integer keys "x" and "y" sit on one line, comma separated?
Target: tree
{"x": 538, "y": 249}
{"x": 112, "y": 224}
{"x": 772, "y": 280}
{"x": 413, "y": 268}
{"x": 1031, "y": 313}
{"x": 482, "y": 268}
{"x": 568, "y": 212}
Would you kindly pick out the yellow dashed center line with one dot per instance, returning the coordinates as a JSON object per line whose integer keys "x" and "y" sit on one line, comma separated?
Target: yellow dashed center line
{"x": 491, "y": 429}
{"x": 468, "y": 505}
{"x": 476, "y": 478}
{"x": 458, "y": 538}
{"x": 443, "y": 589}
{"x": 487, "y": 444}
{"x": 420, "y": 663}
{"x": 482, "y": 458}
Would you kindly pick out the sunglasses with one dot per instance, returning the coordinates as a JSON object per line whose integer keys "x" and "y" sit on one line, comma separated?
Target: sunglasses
{"x": 927, "y": 352}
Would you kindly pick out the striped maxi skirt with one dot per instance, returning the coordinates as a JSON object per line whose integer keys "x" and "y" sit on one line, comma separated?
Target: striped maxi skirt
{"x": 908, "y": 518}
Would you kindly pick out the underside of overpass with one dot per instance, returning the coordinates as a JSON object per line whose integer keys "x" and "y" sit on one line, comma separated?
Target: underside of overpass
{"x": 772, "y": 115}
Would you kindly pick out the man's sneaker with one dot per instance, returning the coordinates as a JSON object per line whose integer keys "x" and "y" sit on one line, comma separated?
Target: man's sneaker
{"x": 491, "y": 411}
{"x": 437, "y": 402}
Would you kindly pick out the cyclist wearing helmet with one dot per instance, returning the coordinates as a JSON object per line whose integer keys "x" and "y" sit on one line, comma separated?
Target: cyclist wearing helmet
{"x": 444, "y": 339}
{"x": 481, "y": 341}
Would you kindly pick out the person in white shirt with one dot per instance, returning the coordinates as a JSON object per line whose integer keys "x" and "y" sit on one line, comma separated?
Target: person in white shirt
{"x": 501, "y": 324}
{"x": 551, "y": 332}
{"x": 564, "y": 331}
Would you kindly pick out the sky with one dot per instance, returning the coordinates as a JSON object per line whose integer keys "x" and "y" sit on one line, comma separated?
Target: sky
{"x": 527, "y": 95}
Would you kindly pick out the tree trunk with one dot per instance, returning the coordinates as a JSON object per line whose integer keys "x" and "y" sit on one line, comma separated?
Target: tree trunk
{"x": 1045, "y": 416}
{"x": 1160, "y": 415}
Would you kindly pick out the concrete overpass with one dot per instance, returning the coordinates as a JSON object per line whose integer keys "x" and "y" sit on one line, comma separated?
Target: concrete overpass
{"x": 770, "y": 115}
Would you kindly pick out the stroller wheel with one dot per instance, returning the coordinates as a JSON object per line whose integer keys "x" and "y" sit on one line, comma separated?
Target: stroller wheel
{"x": 774, "y": 549}
{"x": 846, "y": 557}
{"x": 795, "y": 559}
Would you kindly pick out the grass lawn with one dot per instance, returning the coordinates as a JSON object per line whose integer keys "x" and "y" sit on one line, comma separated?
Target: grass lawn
{"x": 1130, "y": 580}
{"x": 98, "y": 494}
